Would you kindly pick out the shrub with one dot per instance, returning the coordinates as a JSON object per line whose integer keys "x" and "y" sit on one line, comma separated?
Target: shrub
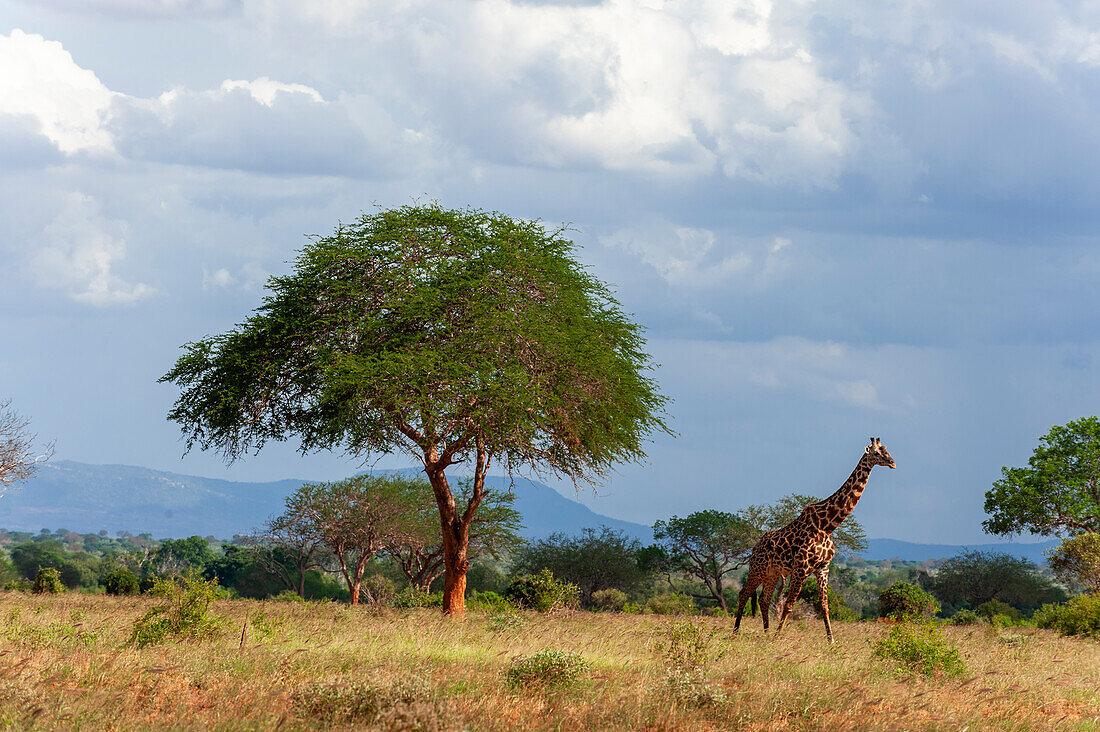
{"x": 838, "y": 608}
{"x": 542, "y": 592}
{"x": 507, "y": 619}
{"x": 408, "y": 704}
{"x": 633, "y": 608}
{"x": 546, "y": 668}
{"x": 121, "y": 581}
{"x": 47, "y": 581}
{"x": 993, "y": 608}
{"x": 609, "y": 600}
{"x": 1079, "y": 616}
{"x": 377, "y": 590}
{"x": 413, "y": 596}
{"x": 687, "y": 653}
{"x": 287, "y": 596}
{"x": 491, "y": 601}
{"x": 19, "y": 585}
{"x": 671, "y": 603}
{"x": 186, "y": 614}
{"x": 1077, "y": 561}
{"x": 965, "y": 617}
{"x": 904, "y": 601}
{"x": 920, "y": 649}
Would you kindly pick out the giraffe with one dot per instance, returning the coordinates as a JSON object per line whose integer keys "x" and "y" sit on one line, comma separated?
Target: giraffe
{"x": 805, "y": 546}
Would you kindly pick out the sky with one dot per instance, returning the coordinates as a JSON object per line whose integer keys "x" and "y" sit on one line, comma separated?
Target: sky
{"x": 835, "y": 219}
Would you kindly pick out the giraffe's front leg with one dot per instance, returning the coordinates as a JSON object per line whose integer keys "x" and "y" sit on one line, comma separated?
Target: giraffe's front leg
{"x": 793, "y": 588}
{"x": 823, "y": 598}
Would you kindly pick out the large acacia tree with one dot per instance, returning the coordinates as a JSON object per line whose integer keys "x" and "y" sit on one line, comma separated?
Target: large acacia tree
{"x": 456, "y": 336}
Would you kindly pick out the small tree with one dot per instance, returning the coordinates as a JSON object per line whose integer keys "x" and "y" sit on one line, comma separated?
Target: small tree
{"x": 356, "y": 518}
{"x": 452, "y": 336}
{"x": 1059, "y": 490}
{"x": 288, "y": 549}
{"x": 494, "y": 532}
{"x": 1077, "y": 562}
{"x": 904, "y": 601}
{"x": 19, "y": 460}
{"x": 177, "y": 556}
{"x": 974, "y": 578}
{"x": 706, "y": 545}
{"x": 592, "y": 560}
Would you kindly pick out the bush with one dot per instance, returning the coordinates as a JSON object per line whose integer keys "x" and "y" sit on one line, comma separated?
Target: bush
{"x": 287, "y": 596}
{"x": 121, "y": 581}
{"x": 47, "y": 581}
{"x": 920, "y": 649}
{"x": 1079, "y": 616}
{"x": 377, "y": 590}
{"x": 19, "y": 585}
{"x": 838, "y": 608}
{"x": 904, "y": 601}
{"x": 546, "y": 668}
{"x": 671, "y": 603}
{"x": 413, "y": 596}
{"x": 609, "y": 600}
{"x": 542, "y": 592}
{"x": 491, "y": 601}
{"x": 687, "y": 653}
{"x": 989, "y": 610}
{"x": 965, "y": 617}
{"x": 186, "y": 615}
{"x": 633, "y": 608}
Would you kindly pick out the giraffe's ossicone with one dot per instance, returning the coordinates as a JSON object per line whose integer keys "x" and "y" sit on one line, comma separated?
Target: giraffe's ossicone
{"x": 805, "y": 547}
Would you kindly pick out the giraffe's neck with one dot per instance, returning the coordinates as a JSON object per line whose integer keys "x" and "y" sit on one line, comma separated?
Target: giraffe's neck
{"x": 828, "y": 514}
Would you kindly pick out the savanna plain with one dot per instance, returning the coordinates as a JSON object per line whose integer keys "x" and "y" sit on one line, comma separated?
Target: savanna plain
{"x": 68, "y": 661}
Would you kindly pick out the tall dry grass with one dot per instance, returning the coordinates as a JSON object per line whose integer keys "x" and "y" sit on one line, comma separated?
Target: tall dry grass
{"x": 65, "y": 663}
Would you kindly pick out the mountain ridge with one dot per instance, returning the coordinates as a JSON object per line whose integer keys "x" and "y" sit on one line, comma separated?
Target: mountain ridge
{"x": 87, "y": 498}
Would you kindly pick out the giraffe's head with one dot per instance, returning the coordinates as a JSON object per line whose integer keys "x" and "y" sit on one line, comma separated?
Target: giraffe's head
{"x": 878, "y": 454}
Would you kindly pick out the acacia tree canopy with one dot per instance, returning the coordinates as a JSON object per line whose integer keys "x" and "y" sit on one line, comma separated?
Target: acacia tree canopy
{"x": 1059, "y": 490}
{"x": 451, "y": 335}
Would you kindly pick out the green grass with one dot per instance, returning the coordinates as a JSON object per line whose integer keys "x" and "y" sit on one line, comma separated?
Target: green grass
{"x": 65, "y": 661}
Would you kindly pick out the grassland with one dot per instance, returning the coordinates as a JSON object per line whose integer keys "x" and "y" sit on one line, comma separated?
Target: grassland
{"x": 65, "y": 663}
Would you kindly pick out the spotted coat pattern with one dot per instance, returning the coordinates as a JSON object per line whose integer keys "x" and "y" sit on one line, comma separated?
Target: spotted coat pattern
{"x": 805, "y": 546}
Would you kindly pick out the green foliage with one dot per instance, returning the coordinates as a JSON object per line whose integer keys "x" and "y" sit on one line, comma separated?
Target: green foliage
{"x": 287, "y": 596}
{"x": 491, "y": 601}
{"x": 542, "y": 592}
{"x": 974, "y": 578}
{"x": 609, "y": 600}
{"x": 1057, "y": 492}
{"x": 671, "y": 603}
{"x": 994, "y": 608}
{"x": 591, "y": 560}
{"x": 1079, "y": 616}
{"x": 633, "y": 608}
{"x": 706, "y": 545}
{"x": 177, "y": 556}
{"x": 121, "y": 581}
{"x": 546, "y": 668}
{"x": 1077, "y": 562}
{"x": 504, "y": 618}
{"x": 47, "y": 581}
{"x": 905, "y": 601}
{"x": 920, "y": 649}
{"x": 186, "y": 614}
{"x": 412, "y": 596}
{"x": 377, "y": 590}
{"x": 965, "y": 617}
{"x": 19, "y": 585}
{"x": 488, "y": 319}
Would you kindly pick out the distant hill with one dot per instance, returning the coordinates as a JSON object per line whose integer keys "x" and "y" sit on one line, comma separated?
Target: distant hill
{"x": 908, "y": 551}
{"x": 87, "y": 498}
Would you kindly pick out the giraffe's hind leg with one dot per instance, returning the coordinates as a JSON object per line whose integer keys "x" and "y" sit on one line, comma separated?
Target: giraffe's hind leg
{"x": 766, "y": 593}
{"x": 752, "y": 580}
{"x": 793, "y": 588}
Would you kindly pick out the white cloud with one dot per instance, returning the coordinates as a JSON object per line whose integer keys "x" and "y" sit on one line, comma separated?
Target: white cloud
{"x": 78, "y": 252}
{"x": 39, "y": 78}
{"x": 264, "y": 90}
{"x": 219, "y": 278}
